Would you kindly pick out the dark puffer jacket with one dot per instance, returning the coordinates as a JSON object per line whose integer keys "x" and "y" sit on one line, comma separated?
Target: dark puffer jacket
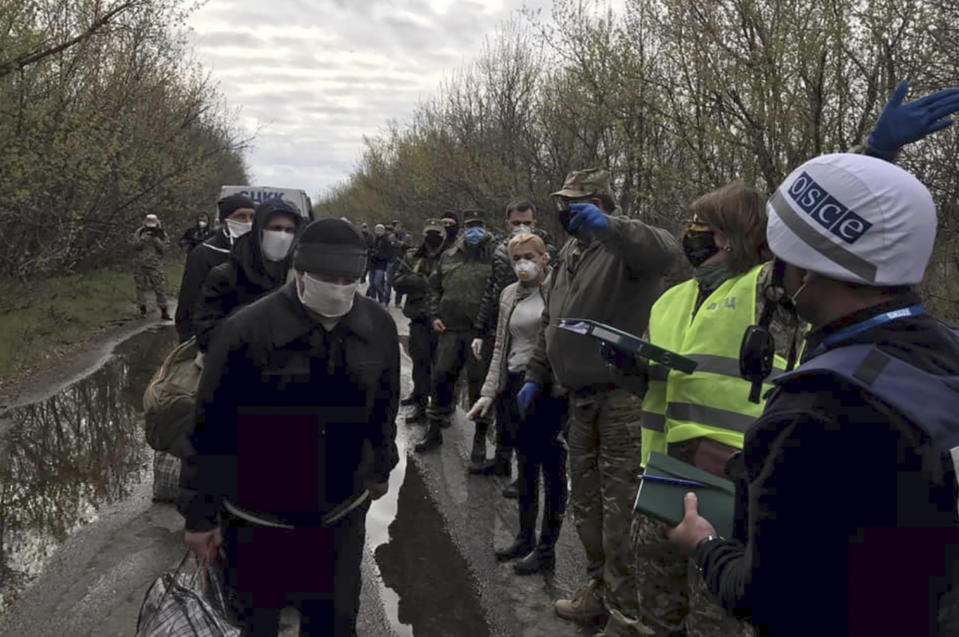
{"x": 846, "y": 515}
{"x": 245, "y": 277}
{"x": 292, "y": 420}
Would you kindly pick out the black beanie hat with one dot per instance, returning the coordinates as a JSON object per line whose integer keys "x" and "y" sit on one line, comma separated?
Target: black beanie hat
{"x": 331, "y": 246}
{"x": 228, "y": 205}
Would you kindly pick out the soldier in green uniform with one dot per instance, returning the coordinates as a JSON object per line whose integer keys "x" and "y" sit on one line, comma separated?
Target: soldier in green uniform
{"x": 149, "y": 245}
{"x": 457, "y": 287}
{"x": 412, "y": 279}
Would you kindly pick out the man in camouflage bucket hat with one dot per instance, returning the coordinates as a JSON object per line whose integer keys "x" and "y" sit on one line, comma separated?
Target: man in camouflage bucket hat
{"x": 610, "y": 270}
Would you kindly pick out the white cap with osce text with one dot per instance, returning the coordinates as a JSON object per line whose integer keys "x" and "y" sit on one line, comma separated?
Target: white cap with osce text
{"x": 853, "y": 218}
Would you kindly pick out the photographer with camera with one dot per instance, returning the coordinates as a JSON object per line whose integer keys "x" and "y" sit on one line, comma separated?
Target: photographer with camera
{"x": 149, "y": 245}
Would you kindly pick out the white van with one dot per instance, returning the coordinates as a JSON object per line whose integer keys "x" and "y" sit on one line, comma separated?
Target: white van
{"x": 293, "y": 196}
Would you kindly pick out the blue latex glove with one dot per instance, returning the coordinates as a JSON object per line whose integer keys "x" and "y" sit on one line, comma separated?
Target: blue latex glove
{"x": 588, "y": 221}
{"x": 900, "y": 124}
{"x": 527, "y": 395}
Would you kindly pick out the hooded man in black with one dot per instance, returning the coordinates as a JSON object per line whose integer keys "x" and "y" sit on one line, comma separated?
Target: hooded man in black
{"x": 236, "y": 216}
{"x": 258, "y": 264}
{"x": 295, "y": 433}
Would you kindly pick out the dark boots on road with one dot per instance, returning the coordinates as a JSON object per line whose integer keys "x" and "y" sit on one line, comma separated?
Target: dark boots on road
{"x": 500, "y": 465}
{"x": 478, "y": 453}
{"x": 522, "y": 545}
{"x": 432, "y": 439}
{"x": 165, "y": 314}
{"x": 143, "y": 310}
{"x": 543, "y": 557}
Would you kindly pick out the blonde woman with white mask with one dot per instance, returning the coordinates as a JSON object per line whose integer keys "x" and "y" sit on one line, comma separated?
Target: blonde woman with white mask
{"x": 537, "y": 432}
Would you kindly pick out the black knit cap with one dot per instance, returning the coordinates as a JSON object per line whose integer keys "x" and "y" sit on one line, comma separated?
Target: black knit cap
{"x": 331, "y": 246}
{"x": 228, "y": 205}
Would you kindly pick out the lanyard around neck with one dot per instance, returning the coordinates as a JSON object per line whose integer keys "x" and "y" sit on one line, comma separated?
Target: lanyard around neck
{"x": 859, "y": 328}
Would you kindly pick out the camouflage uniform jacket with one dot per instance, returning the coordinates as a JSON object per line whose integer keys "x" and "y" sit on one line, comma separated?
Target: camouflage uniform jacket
{"x": 614, "y": 280}
{"x": 149, "y": 248}
{"x": 413, "y": 280}
{"x": 458, "y": 283}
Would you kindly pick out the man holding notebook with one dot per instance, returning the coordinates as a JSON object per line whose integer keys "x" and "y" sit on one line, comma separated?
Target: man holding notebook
{"x": 849, "y": 493}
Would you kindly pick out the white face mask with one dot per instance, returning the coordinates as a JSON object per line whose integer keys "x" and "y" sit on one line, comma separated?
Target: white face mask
{"x": 238, "y": 228}
{"x": 276, "y": 244}
{"x": 522, "y": 228}
{"x": 526, "y": 271}
{"x": 326, "y": 299}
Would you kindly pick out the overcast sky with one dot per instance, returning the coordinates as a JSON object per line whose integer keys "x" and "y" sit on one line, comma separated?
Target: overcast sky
{"x": 311, "y": 77}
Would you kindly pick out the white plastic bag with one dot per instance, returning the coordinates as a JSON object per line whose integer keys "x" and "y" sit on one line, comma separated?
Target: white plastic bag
{"x": 181, "y": 605}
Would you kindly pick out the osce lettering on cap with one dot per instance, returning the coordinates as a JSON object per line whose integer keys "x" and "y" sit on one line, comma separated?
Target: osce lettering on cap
{"x": 827, "y": 210}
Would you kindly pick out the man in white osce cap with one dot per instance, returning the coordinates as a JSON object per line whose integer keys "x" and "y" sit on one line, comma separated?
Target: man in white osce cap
{"x": 846, "y": 489}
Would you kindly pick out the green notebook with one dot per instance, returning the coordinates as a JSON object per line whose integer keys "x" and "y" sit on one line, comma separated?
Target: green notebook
{"x": 628, "y": 342}
{"x": 665, "y": 501}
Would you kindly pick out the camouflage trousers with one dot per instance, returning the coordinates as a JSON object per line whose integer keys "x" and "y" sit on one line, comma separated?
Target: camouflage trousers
{"x": 150, "y": 279}
{"x": 604, "y": 447}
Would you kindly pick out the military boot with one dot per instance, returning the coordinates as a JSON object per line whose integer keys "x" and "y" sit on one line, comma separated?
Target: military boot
{"x": 165, "y": 314}
{"x": 585, "y": 606}
{"x": 500, "y": 465}
{"x": 432, "y": 439}
{"x": 478, "y": 452}
{"x": 143, "y": 310}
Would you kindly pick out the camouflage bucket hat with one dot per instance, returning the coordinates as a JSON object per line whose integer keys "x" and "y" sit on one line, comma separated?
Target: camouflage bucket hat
{"x": 585, "y": 183}
{"x": 433, "y": 225}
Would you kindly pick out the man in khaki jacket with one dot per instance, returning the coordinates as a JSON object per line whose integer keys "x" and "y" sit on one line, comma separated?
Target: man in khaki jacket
{"x": 610, "y": 270}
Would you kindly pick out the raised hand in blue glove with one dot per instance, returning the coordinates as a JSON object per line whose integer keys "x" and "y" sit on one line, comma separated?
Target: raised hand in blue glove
{"x": 900, "y": 124}
{"x": 588, "y": 221}
{"x": 527, "y": 395}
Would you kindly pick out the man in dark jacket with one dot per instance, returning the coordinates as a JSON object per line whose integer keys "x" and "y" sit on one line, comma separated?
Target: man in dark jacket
{"x": 258, "y": 264}
{"x": 381, "y": 254}
{"x": 412, "y": 279}
{"x": 236, "y": 219}
{"x": 197, "y": 234}
{"x": 295, "y": 433}
{"x": 847, "y": 486}
{"x": 456, "y": 291}
{"x": 402, "y": 243}
{"x": 520, "y": 217}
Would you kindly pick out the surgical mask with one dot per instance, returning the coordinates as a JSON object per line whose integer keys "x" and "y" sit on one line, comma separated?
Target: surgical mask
{"x": 699, "y": 246}
{"x": 473, "y": 236}
{"x": 238, "y": 228}
{"x": 276, "y": 244}
{"x": 526, "y": 270}
{"x": 329, "y": 300}
{"x": 521, "y": 229}
{"x": 201, "y": 224}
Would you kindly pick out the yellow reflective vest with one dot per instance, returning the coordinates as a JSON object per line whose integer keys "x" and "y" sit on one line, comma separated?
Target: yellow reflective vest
{"x": 712, "y": 402}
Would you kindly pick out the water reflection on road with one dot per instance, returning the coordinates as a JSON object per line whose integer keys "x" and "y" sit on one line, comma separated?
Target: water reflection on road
{"x": 65, "y": 458}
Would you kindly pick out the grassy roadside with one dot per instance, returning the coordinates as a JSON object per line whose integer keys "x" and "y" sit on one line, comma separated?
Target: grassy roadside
{"x": 45, "y": 318}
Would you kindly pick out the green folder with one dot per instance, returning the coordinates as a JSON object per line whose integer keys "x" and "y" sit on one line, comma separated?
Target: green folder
{"x": 665, "y": 501}
{"x": 628, "y": 343}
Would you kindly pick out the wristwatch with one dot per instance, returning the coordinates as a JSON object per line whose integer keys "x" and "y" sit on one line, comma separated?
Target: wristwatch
{"x": 708, "y": 538}
{"x": 699, "y": 545}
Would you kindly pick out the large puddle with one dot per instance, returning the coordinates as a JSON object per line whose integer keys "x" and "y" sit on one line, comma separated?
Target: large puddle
{"x": 64, "y": 459}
